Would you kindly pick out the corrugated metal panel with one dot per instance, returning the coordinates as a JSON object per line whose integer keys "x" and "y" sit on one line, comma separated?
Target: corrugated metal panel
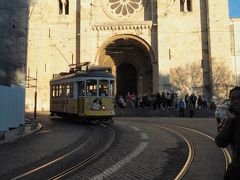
{"x": 11, "y": 107}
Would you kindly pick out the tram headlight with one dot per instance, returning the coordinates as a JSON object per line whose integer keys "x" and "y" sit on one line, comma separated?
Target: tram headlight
{"x": 103, "y": 107}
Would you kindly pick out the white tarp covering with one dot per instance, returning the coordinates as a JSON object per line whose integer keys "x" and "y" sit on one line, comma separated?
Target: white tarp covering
{"x": 11, "y": 107}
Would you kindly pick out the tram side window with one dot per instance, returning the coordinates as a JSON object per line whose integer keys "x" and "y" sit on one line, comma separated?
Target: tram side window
{"x": 81, "y": 88}
{"x": 103, "y": 87}
{"x": 57, "y": 91}
{"x": 60, "y": 90}
{"x": 91, "y": 87}
{"x": 69, "y": 90}
{"x": 53, "y": 91}
{"x": 111, "y": 88}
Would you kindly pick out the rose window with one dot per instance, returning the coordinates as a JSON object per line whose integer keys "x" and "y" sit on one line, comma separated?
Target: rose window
{"x": 123, "y": 8}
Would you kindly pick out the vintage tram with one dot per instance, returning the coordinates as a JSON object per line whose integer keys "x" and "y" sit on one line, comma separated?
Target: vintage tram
{"x": 87, "y": 94}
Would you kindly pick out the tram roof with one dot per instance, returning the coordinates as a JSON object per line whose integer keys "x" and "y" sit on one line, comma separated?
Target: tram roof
{"x": 84, "y": 74}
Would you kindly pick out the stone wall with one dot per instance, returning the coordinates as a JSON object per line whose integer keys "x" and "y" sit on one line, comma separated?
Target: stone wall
{"x": 235, "y": 50}
{"x": 13, "y": 37}
{"x": 13, "y": 49}
{"x": 178, "y": 40}
{"x": 52, "y": 47}
{"x": 200, "y": 37}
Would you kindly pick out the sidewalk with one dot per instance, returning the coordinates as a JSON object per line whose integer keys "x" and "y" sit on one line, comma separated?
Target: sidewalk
{"x": 23, "y": 131}
{"x": 168, "y": 112}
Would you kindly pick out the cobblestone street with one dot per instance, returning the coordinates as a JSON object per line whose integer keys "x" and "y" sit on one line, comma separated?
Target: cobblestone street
{"x": 119, "y": 89}
{"x": 143, "y": 148}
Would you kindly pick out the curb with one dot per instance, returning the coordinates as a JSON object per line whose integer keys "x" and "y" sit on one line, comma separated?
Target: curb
{"x": 24, "y": 134}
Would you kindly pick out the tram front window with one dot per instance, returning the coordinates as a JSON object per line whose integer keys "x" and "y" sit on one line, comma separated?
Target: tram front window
{"x": 91, "y": 87}
{"x": 111, "y": 88}
{"x": 103, "y": 87}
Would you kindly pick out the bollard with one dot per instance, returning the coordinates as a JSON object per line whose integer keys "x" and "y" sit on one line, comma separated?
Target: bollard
{"x": 2, "y": 135}
{"x": 33, "y": 124}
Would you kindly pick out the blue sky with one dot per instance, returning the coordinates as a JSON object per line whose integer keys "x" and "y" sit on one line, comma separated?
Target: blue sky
{"x": 234, "y": 8}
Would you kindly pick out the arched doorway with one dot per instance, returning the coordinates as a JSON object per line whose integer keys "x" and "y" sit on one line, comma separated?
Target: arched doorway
{"x": 126, "y": 79}
{"x": 131, "y": 59}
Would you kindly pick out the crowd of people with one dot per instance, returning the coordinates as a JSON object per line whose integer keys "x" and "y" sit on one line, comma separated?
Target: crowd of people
{"x": 160, "y": 101}
{"x": 228, "y": 130}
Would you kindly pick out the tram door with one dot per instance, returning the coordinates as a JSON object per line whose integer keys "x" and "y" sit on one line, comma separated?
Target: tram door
{"x": 81, "y": 94}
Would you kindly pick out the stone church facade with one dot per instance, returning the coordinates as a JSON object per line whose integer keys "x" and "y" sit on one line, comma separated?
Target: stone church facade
{"x": 151, "y": 45}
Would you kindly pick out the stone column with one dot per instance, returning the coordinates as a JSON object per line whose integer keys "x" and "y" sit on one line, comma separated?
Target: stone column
{"x": 140, "y": 85}
{"x": 185, "y": 5}
{"x": 155, "y": 77}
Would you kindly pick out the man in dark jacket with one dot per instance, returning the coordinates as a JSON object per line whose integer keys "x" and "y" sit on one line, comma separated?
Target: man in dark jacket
{"x": 181, "y": 106}
{"x": 229, "y": 134}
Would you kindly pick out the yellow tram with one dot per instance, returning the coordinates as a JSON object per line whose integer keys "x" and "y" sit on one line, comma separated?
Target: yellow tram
{"x": 88, "y": 94}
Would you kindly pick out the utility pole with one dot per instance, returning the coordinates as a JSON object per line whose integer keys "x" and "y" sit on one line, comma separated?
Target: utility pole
{"x": 29, "y": 85}
{"x": 78, "y": 31}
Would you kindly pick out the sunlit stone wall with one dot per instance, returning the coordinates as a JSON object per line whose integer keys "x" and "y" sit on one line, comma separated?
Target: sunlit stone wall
{"x": 51, "y": 48}
{"x": 235, "y": 44}
{"x": 190, "y": 44}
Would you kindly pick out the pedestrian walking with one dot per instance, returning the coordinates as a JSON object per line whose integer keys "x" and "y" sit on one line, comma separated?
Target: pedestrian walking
{"x": 229, "y": 134}
{"x": 181, "y": 106}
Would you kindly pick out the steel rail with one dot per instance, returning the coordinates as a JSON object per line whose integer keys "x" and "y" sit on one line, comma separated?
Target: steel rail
{"x": 52, "y": 162}
{"x": 190, "y": 153}
{"x": 227, "y": 155}
{"x": 89, "y": 159}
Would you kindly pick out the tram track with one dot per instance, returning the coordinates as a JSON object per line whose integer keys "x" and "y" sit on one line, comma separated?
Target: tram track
{"x": 227, "y": 155}
{"x": 89, "y": 159}
{"x": 189, "y": 160}
{"x": 191, "y": 150}
{"x": 69, "y": 170}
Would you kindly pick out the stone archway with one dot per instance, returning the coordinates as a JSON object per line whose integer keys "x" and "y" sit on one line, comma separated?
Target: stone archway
{"x": 129, "y": 55}
{"x": 126, "y": 79}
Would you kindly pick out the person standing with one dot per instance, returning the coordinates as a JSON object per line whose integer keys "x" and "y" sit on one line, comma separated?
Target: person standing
{"x": 181, "y": 106}
{"x": 199, "y": 102}
{"x": 187, "y": 99}
{"x": 129, "y": 100}
{"x": 158, "y": 97}
{"x": 229, "y": 134}
{"x": 213, "y": 106}
{"x": 164, "y": 101}
{"x": 194, "y": 100}
{"x": 191, "y": 110}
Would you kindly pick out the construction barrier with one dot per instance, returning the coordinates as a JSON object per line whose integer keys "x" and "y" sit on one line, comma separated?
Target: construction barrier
{"x": 12, "y": 105}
